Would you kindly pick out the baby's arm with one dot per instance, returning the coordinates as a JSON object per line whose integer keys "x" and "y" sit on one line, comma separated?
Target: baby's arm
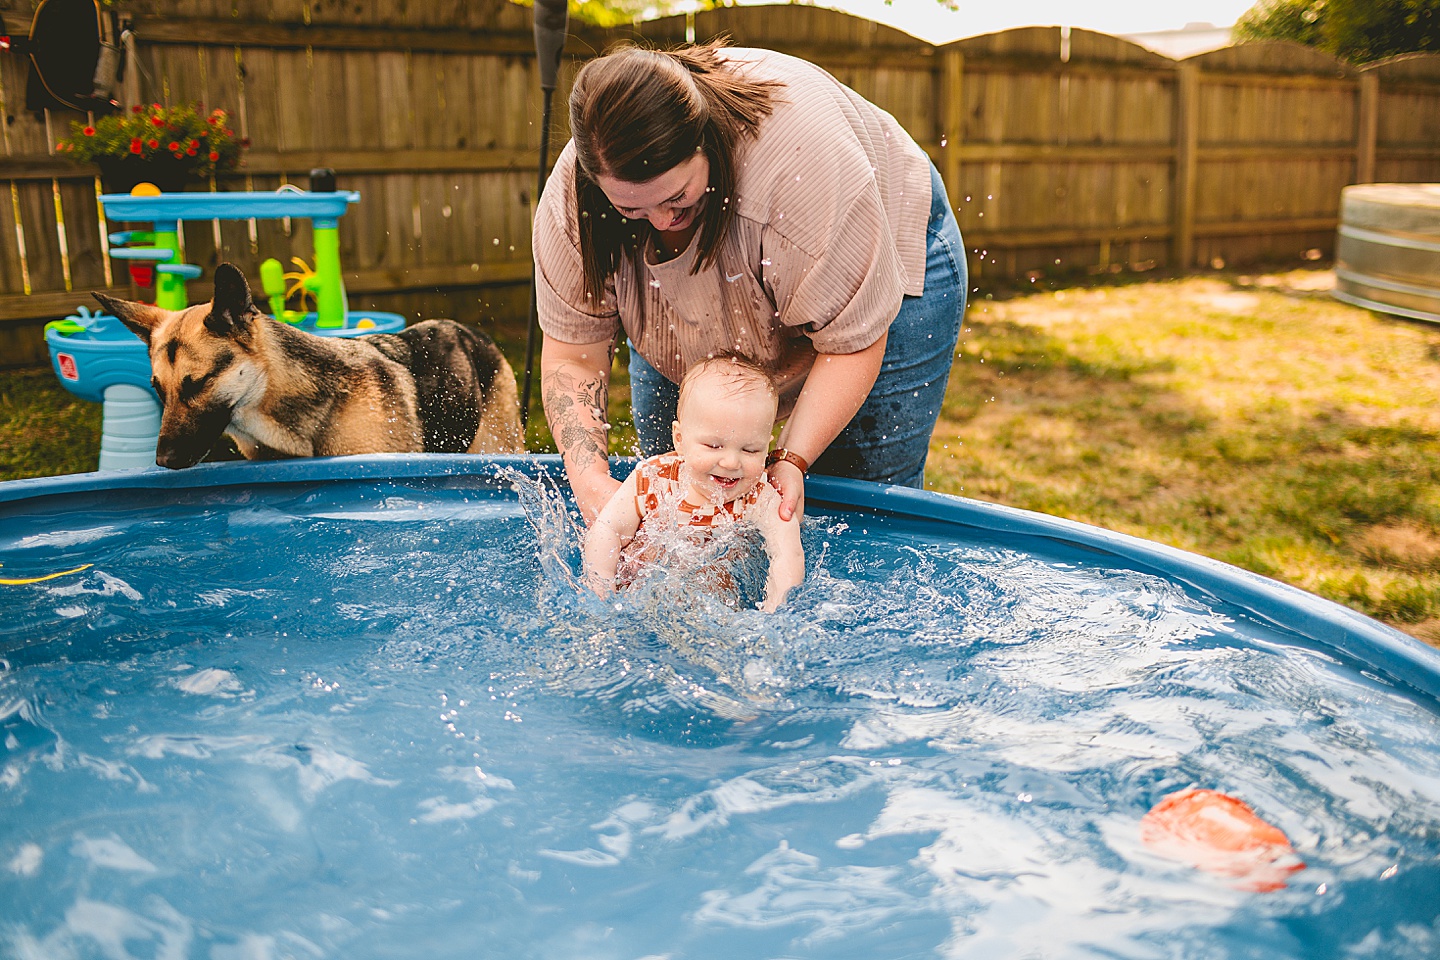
{"x": 614, "y": 527}
{"x": 783, "y": 547}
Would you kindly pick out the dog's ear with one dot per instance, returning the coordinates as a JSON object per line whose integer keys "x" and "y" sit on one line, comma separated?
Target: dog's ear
{"x": 140, "y": 318}
{"x": 231, "y": 308}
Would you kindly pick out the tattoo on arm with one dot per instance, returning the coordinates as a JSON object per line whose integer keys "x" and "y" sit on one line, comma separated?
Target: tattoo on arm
{"x": 577, "y": 414}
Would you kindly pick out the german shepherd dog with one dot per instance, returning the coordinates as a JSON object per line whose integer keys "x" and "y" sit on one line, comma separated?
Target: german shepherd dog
{"x": 224, "y": 367}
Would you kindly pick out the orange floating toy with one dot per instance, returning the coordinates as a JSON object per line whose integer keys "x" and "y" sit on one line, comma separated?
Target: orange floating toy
{"x": 1215, "y": 832}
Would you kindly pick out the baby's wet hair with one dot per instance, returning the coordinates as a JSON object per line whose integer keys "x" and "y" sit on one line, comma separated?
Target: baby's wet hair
{"x": 736, "y": 370}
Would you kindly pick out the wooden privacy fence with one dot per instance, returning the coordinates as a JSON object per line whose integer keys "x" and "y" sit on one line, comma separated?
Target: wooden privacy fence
{"x": 1061, "y": 150}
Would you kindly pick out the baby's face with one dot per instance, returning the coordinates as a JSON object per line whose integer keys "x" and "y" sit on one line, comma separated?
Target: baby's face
{"x": 723, "y": 435}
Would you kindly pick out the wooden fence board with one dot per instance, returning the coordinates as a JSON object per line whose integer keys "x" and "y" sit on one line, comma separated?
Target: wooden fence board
{"x": 224, "y": 88}
{"x": 12, "y": 267}
{"x": 268, "y": 112}
{"x": 12, "y": 276}
{"x": 1272, "y": 57}
{"x": 82, "y": 235}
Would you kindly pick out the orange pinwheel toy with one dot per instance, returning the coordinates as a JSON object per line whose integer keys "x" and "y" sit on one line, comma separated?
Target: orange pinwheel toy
{"x": 1218, "y": 833}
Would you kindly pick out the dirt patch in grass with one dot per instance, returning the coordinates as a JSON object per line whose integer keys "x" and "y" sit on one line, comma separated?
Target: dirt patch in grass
{"x": 1249, "y": 418}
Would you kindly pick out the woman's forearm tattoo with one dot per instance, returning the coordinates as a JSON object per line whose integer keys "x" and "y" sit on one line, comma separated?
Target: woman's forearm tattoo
{"x": 578, "y": 417}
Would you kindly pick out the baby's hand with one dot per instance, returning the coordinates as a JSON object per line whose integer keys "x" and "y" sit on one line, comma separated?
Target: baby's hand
{"x": 601, "y": 586}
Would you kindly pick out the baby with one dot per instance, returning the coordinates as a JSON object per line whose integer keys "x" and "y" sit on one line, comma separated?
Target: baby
{"x": 715, "y": 476}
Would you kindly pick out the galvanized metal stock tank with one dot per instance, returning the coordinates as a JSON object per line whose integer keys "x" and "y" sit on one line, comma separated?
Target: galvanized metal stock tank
{"x": 1387, "y": 254}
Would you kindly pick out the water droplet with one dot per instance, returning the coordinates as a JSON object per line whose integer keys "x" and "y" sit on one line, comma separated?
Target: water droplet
{"x": 655, "y": 284}
{"x": 765, "y": 262}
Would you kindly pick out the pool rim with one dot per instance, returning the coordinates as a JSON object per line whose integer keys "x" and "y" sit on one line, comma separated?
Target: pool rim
{"x": 1386, "y": 650}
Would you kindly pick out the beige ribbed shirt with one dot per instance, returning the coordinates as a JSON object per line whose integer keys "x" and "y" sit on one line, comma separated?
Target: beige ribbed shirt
{"x": 828, "y": 236}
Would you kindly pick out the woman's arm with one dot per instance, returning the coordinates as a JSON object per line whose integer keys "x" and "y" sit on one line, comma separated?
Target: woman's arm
{"x": 835, "y": 389}
{"x": 575, "y": 389}
{"x": 613, "y": 528}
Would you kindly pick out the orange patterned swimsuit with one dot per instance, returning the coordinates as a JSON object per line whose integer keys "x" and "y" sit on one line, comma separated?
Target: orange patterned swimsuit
{"x": 657, "y": 481}
{"x": 658, "y": 487}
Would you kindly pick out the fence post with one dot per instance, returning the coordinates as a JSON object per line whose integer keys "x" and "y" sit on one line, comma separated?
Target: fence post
{"x": 1187, "y": 134}
{"x": 952, "y": 119}
{"x": 1367, "y": 125}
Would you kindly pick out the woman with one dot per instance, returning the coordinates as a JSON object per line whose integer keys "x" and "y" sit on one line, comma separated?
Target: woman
{"x": 718, "y": 199}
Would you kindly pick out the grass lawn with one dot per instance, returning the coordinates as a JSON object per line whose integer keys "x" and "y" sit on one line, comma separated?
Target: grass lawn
{"x": 1249, "y": 418}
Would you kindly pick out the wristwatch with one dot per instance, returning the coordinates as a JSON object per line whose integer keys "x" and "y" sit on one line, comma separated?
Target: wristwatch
{"x": 780, "y": 453}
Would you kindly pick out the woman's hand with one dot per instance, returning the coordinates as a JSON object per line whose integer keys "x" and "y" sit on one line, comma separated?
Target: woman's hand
{"x": 787, "y": 478}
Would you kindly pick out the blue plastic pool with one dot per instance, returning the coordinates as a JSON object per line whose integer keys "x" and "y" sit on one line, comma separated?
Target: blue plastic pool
{"x": 357, "y": 708}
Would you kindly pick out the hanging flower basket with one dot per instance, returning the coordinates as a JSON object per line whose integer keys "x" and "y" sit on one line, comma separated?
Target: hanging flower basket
{"x": 171, "y": 147}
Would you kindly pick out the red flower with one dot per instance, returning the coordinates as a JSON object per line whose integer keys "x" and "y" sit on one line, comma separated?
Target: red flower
{"x": 89, "y": 131}
{"x": 153, "y": 143}
{"x": 174, "y": 148}
{"x": 191, "y": 152}
{"x": 156, "y": 121}
{"x": 135, "y": 145}
{"x": 136, "y": 109}
{"x": 194, "y": 144}
{"x": 214, "y": 156}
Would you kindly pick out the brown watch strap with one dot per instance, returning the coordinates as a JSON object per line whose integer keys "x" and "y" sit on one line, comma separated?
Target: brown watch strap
{"x": 780, "y": 453}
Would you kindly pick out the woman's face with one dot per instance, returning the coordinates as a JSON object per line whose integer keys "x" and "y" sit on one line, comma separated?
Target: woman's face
{"x": 670, "y": 201}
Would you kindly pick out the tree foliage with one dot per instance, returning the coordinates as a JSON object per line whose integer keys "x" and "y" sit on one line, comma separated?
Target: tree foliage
{"x": 1355, "y": 30}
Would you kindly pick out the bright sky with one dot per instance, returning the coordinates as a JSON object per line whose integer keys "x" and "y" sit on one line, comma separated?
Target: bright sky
{"x": 931, "y": 22}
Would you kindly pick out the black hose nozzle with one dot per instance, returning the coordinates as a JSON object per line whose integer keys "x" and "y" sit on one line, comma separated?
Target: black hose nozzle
{"x": 552, "y": 18}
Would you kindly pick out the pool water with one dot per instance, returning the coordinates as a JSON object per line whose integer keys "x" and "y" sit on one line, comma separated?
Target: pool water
{"x": 379, "y": 719}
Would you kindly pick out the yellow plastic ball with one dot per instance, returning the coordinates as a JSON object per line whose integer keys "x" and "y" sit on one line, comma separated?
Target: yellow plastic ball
{"x": 145, "y": 190}
{"x": 366, "y": 324}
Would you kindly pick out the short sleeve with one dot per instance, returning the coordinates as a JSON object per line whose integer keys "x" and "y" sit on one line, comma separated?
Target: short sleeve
{"x": 563, "y": 309}
{"x": 846, "y": 296}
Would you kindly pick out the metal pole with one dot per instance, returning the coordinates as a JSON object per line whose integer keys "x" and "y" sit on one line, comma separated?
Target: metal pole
{"x": 551, "y": 21}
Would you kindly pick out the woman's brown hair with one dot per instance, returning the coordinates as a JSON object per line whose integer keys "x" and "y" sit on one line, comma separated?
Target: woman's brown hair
{"x": 637, "y": 113}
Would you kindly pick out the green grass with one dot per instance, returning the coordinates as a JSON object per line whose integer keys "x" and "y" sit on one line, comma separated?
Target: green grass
{"x": 1249, "y": 418}
{"x": 44, "y": 430}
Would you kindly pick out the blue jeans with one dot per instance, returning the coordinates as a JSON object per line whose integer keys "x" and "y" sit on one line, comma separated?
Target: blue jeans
{"x": 889, "y": 437}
